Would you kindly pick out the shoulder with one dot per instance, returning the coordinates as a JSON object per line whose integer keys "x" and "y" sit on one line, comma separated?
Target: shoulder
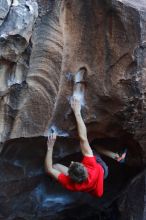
{"x": 89, "y": 160}
{"x": 66, "y": 182}
{"x": 62, "y": 178}
{"x": 89, "y": 157}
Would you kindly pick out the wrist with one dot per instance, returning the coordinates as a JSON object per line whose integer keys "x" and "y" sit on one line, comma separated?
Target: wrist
{"x": 49, "y": 147}
{"x": 78, "y": 113}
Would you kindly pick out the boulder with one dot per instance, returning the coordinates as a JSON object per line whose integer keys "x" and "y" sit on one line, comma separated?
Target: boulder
{"x": 50, "y": 51}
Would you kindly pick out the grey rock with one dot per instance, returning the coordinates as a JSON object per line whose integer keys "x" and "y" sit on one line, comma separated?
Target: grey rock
{"x": 4, "y": 9}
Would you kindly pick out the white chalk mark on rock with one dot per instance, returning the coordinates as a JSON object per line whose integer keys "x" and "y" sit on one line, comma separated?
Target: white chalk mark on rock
{"x": 12, "y": 80}
{"x": 79, "y": 77}
{"x": 79, "y": 94}
{"x": 79, "y": 86}
{"x": 15, "y": 3}
{"x": 3, "y": 36}
{"x": 57, "y": 131}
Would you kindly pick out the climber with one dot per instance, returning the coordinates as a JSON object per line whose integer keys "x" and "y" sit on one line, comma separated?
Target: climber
{"x": 87, "y": 176}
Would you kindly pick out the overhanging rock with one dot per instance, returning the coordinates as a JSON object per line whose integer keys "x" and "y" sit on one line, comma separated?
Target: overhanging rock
{"x": 50, "y": 50}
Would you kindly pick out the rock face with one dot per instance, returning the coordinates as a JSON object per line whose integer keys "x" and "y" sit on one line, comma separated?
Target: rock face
{"x": 49, "y": 51}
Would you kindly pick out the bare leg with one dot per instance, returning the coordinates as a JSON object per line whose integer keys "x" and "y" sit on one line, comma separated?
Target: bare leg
{"x": 110, "y": 154}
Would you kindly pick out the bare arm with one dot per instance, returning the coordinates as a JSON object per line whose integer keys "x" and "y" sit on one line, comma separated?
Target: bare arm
{"x": 82, "y": 131}
{"x": 61, "y": 168}
{"x": 107, "y": 153}
{"x": 111, "y": 154}
{"x": 48, "y": 160}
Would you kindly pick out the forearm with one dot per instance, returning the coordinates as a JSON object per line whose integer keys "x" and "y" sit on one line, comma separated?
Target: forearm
{"x": 107, "y": 153}
{"x": 82, "y": 131}
{"x": 48, "y": 160}
{"x": 49, "y": 166}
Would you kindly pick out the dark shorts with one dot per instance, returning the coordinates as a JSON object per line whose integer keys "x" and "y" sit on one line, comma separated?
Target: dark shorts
{"x": 102, "y": 163}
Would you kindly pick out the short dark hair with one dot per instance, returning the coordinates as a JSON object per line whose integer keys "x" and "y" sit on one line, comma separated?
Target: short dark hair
{"x": 77, "y": 172}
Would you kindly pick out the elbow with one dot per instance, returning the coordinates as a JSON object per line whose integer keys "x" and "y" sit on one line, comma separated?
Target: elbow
{"x": 83, "y": 139}
{"x": 48, "y": 169}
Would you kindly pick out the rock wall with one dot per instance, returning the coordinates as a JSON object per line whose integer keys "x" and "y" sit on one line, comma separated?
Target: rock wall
{"x": 50, "y": 50}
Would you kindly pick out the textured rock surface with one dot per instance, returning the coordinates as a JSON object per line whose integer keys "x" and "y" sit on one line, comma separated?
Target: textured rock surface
{"x": 50, "y": 50}
{"x": 4, "y": 9}
{"x": 25, "y": 192}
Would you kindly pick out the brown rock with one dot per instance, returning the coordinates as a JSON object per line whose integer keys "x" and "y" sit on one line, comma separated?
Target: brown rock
{"x": 93, "y": 49}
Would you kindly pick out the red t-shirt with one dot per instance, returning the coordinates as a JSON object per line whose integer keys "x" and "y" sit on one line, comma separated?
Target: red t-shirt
{"x": 94, "y": 182}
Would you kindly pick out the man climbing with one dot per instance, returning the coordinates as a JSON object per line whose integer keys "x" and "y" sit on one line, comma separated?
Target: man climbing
{"x": 89, "y": 174}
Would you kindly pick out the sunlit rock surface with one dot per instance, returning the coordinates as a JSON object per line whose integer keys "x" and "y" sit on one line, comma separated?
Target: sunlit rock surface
{"x": 49, "y": 51}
